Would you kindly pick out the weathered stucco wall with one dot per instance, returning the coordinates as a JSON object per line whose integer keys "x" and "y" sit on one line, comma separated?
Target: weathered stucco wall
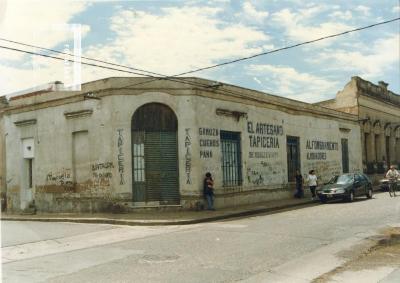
{"x": 3, "y": 181}
{"x": 82, "y": 158}
{"x": 2, "y": 155}
{"x": 346, "y": 99}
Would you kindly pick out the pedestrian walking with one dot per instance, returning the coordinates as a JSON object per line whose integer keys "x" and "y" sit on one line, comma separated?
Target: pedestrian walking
{"x": 299, "y": 185}
{"x": 312, "y": 183}
{"x": 209, "y": 191}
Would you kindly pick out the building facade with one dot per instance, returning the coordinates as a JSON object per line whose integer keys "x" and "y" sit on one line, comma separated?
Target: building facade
{"x": 3, "y": 105}
{"x": 148, "y": 143}
{"x": 378, "y": 111}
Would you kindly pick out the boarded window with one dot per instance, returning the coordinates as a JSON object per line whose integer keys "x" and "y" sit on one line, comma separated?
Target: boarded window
{"x": 231, "y": 158}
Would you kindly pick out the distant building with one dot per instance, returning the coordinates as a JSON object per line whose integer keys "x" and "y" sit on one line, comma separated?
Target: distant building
{"x": 148, "y": 143}
{"x": 378, "y": 110}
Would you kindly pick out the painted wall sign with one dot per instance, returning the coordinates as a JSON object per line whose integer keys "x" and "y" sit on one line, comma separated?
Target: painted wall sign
{"x": 322, "y": 146}
{"x": 209, "y": 137}
{"x": 208, "y": 132}
{"x": 188, "y": 156}
{"x": 120, "y": 157}
{"x": 263, "y": 154}
{"x": 264, "y": 129}
{"x": 263, "y": 135}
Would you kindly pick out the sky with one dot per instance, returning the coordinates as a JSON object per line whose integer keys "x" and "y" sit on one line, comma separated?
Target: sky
{"x": 171, "y": 37}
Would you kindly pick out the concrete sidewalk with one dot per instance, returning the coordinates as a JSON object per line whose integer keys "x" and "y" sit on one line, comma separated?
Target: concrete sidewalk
{"x": 156, "y": 217}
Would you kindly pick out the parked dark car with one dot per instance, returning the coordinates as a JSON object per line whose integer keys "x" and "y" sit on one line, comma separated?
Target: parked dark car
{"x": 346, "y": 187}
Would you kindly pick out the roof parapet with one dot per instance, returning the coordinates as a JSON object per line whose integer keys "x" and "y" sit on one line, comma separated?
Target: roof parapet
{"x": 51, "y": 86}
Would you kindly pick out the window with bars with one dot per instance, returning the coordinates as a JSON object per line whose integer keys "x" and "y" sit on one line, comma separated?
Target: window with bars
{"x": 293, "y": 156}
{"x": 231, "y": 158}
{"x": 30, "y": 170}
{"x": 345, "y": 155}
{"x": 138, "y": 158}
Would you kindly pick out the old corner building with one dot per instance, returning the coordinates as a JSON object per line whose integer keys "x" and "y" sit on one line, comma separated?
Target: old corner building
{"x": 378, "y": 110}
{"x": 141, "y": 143}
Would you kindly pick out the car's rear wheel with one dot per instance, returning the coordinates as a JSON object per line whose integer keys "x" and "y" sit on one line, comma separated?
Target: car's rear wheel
{"x": 369, "y": 192}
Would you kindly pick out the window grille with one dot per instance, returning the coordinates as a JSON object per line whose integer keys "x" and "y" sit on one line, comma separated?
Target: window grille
{"x": 345, "y": 155}
{"x": 231, "y": 158}
{"x": 293, "y": 156}
{"x": 30, "y": 169}
{"x": 138, "y": 158}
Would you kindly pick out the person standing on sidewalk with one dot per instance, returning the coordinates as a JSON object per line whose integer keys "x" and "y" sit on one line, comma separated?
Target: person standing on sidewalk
{"x": 299, "y": 185}
{"x": 209, "y": 191}
{"x": 312, "y": 183}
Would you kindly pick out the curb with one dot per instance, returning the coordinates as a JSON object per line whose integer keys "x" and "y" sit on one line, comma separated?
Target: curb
{"x": 161, "y": 222}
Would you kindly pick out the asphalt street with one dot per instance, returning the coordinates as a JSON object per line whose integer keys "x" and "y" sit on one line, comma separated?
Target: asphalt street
{"x": 291, "y": 246}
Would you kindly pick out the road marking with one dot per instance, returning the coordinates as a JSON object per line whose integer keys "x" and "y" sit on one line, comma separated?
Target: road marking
{"x": 83, "y": 241}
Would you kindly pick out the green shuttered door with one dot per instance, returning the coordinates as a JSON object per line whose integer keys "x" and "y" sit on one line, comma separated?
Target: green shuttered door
{"x": 161, "y": 167}
{"x": 155, "y": 157}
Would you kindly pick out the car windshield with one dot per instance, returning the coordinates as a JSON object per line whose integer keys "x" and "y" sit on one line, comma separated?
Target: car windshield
{"x": 343, "y": 179}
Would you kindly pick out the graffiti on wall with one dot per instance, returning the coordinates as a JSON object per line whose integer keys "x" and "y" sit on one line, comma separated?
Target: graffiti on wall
{"x": 208, "y": 139}
{"x": 188, "y": 156}
{"x": 120, "y": 157}
{"x": 62, "y": 177}
{"x": 324, "y": 169}
{"x": 265, "y": 173}
{"x": 101, "y": 174}
{"x": 254, "y": 176}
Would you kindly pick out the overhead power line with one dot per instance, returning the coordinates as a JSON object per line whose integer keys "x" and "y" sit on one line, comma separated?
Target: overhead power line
{"x": 65, "y": 59}
{"x": 287, "y": 47}
{"x": 179, "y": 80}
{"x": 153, "y": 78}
{"x": 279, "y": 49}
{"x": 73, "y": 55}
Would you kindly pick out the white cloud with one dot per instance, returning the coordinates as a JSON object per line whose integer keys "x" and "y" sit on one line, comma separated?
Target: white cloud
{"x": 174, "y": 41}
{"x": 297, "y": 29}
{"x": 346, "y": 15}
{"x": 363, "y": 9}
{"x": 396, "y": 9}
{"x": 43, "y": 71}
{"x": 251, "y": 13}
{"x": 178, "y": 40}
{"x": 38, "y": 22}
{"x": 288, "y": 82}
{"x": 372, "y": 62}
{"x": 268, "y": 47}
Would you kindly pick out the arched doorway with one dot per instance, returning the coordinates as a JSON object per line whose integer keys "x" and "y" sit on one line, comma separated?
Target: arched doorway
{"x": 155, "y": 155}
